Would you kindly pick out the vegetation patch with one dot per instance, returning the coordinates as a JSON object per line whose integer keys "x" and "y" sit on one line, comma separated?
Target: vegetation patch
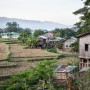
{"x": 4, "y": 52}
{"x": 3, "y": 77}
{"x": 68, "y": 59}
{"x": 52, "y": 50}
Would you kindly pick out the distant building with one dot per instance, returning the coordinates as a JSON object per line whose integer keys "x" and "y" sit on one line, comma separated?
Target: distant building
{"x": 42, "y": 41}
{"x": 68, "y": 42}
{"x": 48, "y": 40}
{"x": 84, "y": 52}
{"x": 10, "y": 35}
{"x": 63, "y": 72}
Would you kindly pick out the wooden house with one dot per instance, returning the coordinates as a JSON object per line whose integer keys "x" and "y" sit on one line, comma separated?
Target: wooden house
{"x": 48, "y": 40}
{"x": 42, "y": 41}
{"x": 63, "y": 72}
{"x": 84, "y": 52}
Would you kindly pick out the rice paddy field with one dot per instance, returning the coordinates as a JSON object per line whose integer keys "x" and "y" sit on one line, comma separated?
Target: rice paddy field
{"x": 14, "y": 58}
{"x": 4, "y": 51}
{"x": 20, "y": 51}
{"x": 20, "y": 66}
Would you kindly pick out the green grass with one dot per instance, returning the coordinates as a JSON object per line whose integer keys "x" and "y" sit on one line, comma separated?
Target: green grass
{"x": 66, "y": 55}
{"x": 68, "y": 59}
{"x": 52, "y": 50}
{"x": 31, "y": 59}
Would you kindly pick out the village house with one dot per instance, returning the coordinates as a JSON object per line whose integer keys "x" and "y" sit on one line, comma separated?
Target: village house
{"x": 10, "y": 35}
{"x": 48, "y": 40}
{"x": 42, "y": 41}
{"x": 63, "y": 72}
{"x": 64, "y": 75}
{"x": 68, "y": 42}
{"x": 84, "y": 52}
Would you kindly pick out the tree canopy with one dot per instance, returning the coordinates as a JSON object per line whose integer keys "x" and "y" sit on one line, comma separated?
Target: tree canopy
{"x": 84, "y": 24}
{"x": 31, "y": 41}
{"x": 24, "y": 35}
{"x": 12, "y": 27}
{"x": 64, "y": 33}
{"x": 38, "y": 32}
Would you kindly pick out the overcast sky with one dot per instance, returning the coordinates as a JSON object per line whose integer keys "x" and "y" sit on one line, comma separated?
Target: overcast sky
{"x": 60, "y": 11}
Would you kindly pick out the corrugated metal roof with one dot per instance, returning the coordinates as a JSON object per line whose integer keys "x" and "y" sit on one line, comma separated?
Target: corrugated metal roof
{"x": 65, "y": 68}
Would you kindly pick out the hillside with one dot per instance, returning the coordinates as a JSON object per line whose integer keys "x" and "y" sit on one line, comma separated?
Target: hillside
{"x": 32, "y": 24}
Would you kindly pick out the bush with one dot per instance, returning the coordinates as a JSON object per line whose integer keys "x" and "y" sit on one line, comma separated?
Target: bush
{"x": 17, "y": 86}
{"x": 75, "y": 46}
{"x": 52, "y": 50}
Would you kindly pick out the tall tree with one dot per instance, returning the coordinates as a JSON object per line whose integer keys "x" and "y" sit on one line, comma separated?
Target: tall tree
{"x": 64, "y": 33}
{"x": 84, "y": 24}
{"x": 12, "y": 27}
{"x": 31, "y": 41}
{"x": 38, "y": 32}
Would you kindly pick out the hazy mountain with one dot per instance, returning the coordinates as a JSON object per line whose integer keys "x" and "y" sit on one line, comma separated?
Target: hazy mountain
{"x": 32, "y": 24}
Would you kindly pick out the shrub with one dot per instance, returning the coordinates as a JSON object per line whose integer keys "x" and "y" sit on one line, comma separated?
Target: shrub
{"x": 52, "y": 50}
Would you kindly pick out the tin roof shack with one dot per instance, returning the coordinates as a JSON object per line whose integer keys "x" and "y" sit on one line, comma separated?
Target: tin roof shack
{"x": 43, "y": 40}
{"x": 63, "y": 72}
{"x": 48, "y": 40}
{"x": 84, "y": 52}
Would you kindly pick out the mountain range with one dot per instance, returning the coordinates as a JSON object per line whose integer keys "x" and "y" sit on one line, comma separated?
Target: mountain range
{"x": 32, "y": 24}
